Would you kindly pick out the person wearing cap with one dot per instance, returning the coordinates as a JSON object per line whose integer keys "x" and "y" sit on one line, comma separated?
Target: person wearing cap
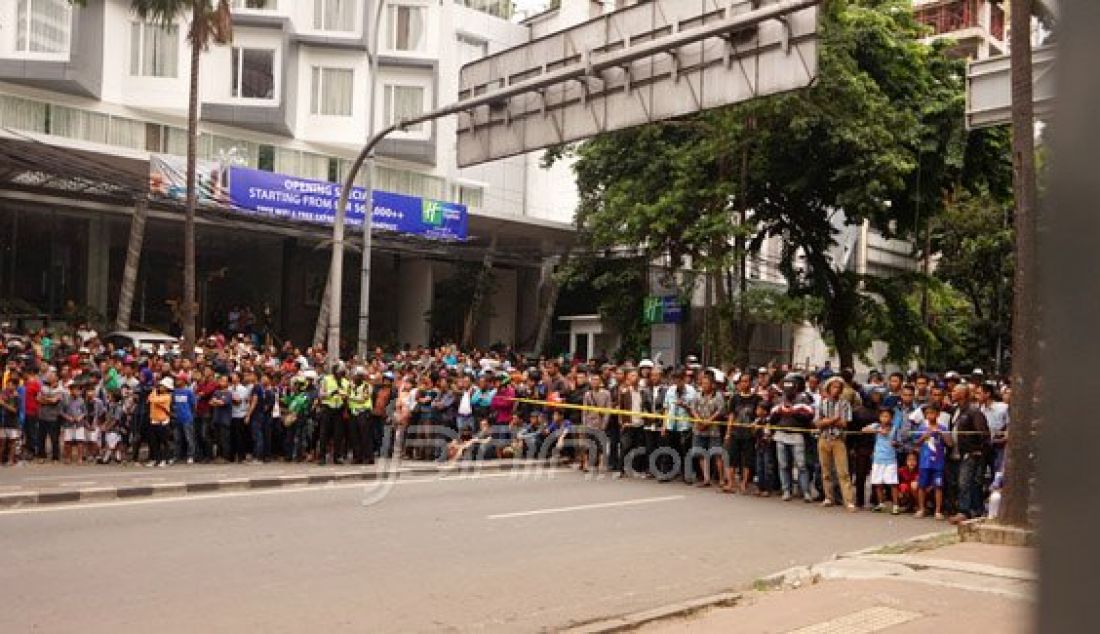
{"x": 502, "y": 405}
{"x": 793, "y": 413}
{"x": 160, "y": 417}
{"x": 833, "y": 416}
{"x": 359, "y": 405}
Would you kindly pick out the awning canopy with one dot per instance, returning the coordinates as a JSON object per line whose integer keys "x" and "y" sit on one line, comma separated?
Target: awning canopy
{"x": 67, "y": 176}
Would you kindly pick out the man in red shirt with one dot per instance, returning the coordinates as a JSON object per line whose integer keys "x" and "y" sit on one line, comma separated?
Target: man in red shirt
{"x": 31, "y": 387}
{"x": 204, "y": 391}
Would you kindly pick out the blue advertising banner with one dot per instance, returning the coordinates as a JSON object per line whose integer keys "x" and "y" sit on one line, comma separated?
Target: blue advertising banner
{"x": 306, "y": 200}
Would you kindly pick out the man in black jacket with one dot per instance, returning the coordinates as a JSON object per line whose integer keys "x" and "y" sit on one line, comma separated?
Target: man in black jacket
{"x": 971, "y": 434}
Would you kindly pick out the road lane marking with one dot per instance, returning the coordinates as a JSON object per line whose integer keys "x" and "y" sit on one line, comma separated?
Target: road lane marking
{"x": 585, "y": 507}
{"x": 301, "y": 488}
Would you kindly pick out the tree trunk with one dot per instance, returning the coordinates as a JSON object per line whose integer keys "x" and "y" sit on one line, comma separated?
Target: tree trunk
{"x": 133, "y": 261}
{"x": 1019, "y": 459}
{"x": 722, "y": 336}
{"x": 469, "y": 327}
{"x": 322, "y": 316}
{"x": 187, "y": 308}
{"x": 546, "y": 319}
{"x": 744, "y": 331}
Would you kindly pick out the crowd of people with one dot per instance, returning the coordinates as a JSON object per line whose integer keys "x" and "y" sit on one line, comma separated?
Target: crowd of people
{"x": 915, "y": 442}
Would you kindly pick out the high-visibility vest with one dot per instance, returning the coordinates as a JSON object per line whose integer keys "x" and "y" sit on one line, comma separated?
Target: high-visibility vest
{"x": 359, "y": 401}
{"x": 334, "y": 390}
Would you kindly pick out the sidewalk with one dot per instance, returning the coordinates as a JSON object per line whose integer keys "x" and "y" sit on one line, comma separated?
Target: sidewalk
{"x": 935, "y": 586}
{"x": 50, "y": 484}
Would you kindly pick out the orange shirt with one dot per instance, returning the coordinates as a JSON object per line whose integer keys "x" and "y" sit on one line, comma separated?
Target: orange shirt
{"x": 159, "y": 407}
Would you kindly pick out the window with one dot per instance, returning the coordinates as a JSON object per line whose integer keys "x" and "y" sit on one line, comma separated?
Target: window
{"x": 471, "y": 49}
{"x": 261, "y": 5}
{"x": 403, "y": 102}
{"x": 499, "y": 8}
{"x": 42, "y": 26}
{"x": 154, "y": 50}
{"x": 331, "y": 91}
{"x": 467, "y": 195}
{"x": 72, "y": 123}
{"x": 409, "y": 183}
{"x": 405, "y": 25}
{"x": 22, "y": 114}
{"x": 253, "y": 73}
{"x": 265, "y": 158}
{"x": 334, "y": 15}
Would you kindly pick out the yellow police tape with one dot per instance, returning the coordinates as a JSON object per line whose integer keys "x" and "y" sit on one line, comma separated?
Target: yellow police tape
{"x": 668, "y": 418}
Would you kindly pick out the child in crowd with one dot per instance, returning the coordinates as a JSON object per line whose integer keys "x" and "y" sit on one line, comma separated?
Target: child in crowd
{"x": 766, "y": 473}
{"x": 908, "y": 479}
{"x": 884, "y": 461}
{"x": 93, "y": 426}
{"x": 529, "y": 435}
{"x": 74, "y": 414}
{"x": 112, "y": 430}
{"x": 932, "y": 454}
{"x": 557, "y": 431}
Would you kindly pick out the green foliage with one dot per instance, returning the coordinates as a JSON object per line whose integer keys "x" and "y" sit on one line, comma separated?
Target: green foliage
{"x": 878, "y": 137}
{"x": 453, "y": 298}
{"x": 976, "y": 240}
{"x": 619, "y": 285}
{"x": 215, "y": 28}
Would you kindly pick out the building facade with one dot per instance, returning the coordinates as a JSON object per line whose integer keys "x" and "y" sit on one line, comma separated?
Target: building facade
{"x": 978, "y": 27}
{"x": 288, "y": 95}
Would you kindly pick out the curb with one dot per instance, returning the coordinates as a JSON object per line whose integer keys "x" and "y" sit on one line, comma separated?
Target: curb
{"x": 638, "y": 619}
{"x": 24, "y": 499}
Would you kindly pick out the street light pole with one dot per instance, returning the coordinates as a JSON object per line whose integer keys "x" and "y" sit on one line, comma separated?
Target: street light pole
{"x": 364, "y": 279}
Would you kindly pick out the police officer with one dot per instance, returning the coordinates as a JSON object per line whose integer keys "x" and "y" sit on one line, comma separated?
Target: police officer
{"x": 335, "y": 390}
{"x": 359, "y": 408}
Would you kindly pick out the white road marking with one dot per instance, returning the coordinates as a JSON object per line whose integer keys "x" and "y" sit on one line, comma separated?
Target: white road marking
{"x": 585, "y": 507}
{"x": 198, "y": 497}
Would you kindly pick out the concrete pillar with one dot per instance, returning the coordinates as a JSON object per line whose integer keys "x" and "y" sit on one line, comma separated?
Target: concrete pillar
{"x": 414, "y": 293}
{"x": 98, "y": 268}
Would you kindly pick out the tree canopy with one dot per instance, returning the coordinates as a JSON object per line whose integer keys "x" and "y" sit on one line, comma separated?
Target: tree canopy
{"x": 879, "y": 137}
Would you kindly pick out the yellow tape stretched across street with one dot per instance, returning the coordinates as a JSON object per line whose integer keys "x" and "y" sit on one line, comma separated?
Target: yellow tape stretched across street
{"x": 668, "y": 418}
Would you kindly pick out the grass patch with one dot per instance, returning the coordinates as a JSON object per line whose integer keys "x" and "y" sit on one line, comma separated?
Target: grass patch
{"x": 921, "y": 545}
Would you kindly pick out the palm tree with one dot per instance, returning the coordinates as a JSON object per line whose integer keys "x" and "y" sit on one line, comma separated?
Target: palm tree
{"x": 211, "y": 22}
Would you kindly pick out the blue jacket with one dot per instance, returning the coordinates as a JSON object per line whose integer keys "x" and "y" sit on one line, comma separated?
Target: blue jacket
{"x": 183, "y": 405}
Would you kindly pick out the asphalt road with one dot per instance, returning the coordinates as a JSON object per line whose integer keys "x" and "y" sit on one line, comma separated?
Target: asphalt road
{"x": 495, "y": 552}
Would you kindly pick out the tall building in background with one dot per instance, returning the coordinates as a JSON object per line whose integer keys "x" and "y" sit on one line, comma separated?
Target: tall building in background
{"x": 287, "y": 96}
{"x": 977, "y": 26}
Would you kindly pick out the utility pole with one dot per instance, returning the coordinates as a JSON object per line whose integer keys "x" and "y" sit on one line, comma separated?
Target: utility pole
{"x": 1019, "y": 461}
{"x": 368, "y": 213}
